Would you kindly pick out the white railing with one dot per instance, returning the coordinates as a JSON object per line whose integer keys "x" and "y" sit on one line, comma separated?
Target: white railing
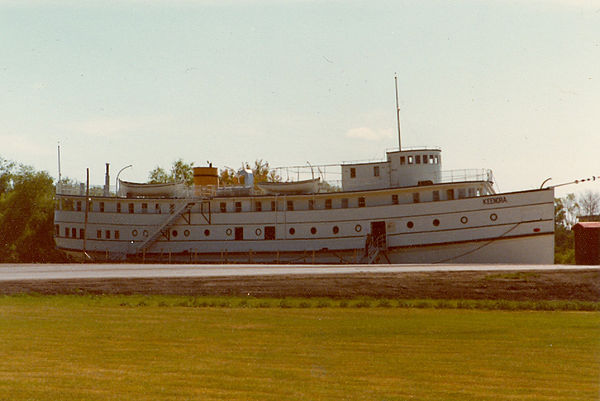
{"x": 450, "y": 176}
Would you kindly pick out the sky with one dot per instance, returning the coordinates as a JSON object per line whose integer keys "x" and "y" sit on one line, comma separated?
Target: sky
{"x": 510, "y": 85}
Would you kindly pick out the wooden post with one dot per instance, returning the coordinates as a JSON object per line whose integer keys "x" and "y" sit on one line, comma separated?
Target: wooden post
{"x": 169, "y": 257}
{"x": 313, "y": 257}
{"x": 143, "y": 256}
{"x": 277, "y": 257}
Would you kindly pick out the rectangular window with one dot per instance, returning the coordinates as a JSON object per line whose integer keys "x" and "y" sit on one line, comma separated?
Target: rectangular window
{"x": 223, "y": 207}
{"x": 56, "y": 230}
{"x": 352, "y": 172}
{"x": 311, "y": 204}
{"x": 131, "y": 208}
{"x": 273, "y": 206}
{"x": 416, "y": 197}
{"x": 418, "y": 159}
{"x": 67, "y": 232}
{"x": 258, "y": 206}
{"x": 238, "y": 207}
{"x": 269, "y": 232}
{"x": 376, "y": 171}
{"x": 344, "y": 203}
{"x": 394, "y": 199}
{"x": 410, "y": 160}
{"x": 327, "y": 203}
{"x": 118, "y": 208}
{"x": 462, "y": 193}
{"x": 79, "y": 206}
{"x": 430, "y": 159}
{"x": 239, "y": 233}
{"x": 290, "y": 205}
{"x": 98, "y": 233}
{"x": 107, "y": 234}
{"x": 74, "y": 232}
{"x": 101, "y": 207}
{"x": 117, "y": 234}
{"x": 361, "y": 202}
{"x": 81, "y": 233}
{"x": 450, "y": 194}
{"x": 144, "y": 208}
{"x": 436, "y": 196}
{"x": 471, "y": 192}
{"x": 402, "y": 160}
{"x": 157, "y": 209}
{"x": 424, "y": 159}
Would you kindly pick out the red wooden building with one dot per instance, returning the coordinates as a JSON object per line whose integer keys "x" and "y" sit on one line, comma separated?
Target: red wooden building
{"x": 587, "y": 243}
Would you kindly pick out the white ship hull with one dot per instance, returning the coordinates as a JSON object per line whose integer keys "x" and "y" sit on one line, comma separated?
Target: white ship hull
{"x": 502, "y": 228}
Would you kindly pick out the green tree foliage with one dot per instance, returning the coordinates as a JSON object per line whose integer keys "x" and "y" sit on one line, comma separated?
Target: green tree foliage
{"x": 565, "y": 216}
{"x": 261, "y": 171}
{"x": 26, "y": 215}
{"x": 180, "y": 172}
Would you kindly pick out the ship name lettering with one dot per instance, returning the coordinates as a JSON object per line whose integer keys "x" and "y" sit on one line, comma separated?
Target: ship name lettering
{"x": 497, "y": 199}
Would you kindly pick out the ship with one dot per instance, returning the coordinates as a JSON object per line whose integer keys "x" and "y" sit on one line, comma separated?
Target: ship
{"x": 403, "y": 208}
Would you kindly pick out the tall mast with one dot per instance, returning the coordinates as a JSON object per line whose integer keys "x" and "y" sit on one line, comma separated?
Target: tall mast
{"x": 398, "y": 112}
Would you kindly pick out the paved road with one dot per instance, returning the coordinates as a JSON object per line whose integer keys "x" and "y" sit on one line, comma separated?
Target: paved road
{"x": 9, "y": 272}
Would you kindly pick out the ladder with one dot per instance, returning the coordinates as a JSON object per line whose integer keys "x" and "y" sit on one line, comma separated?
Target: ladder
{"x": 184, "y": 208}
{"x": 375, "y": 248}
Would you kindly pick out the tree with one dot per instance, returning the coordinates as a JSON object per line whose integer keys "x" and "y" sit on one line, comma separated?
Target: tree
{"x": 261, "y": 171}
{"x": 180, "y": 172}
{"x": 589, "y": 203}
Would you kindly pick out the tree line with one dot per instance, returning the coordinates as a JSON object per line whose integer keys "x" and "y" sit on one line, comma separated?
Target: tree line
{"x": 27, "y": 209}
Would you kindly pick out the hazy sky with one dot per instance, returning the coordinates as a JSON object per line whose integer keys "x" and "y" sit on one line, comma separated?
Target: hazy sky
{"x": 511, "y": 85}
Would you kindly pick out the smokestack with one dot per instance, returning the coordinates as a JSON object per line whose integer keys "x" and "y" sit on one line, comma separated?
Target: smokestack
{"x": 107, "y": 181}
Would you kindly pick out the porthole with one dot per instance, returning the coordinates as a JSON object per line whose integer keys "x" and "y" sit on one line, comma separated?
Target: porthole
{"x": 464, "y": 219}
{"x": 493, "y": 217}
{"x": 436, "y": 222}
{"x": 145, "y": 233}
{"x": 292, "y": 231}
{"x": 186, "y": 233}
{"x": 174, "y": 233}
{"x": 313, "y": 230}
{"x": 358, "y": 228}
{"x": 134, "y": 233}
{"x": 336, "y": 229}
{"x": 228, "y": 231}
{"x": 207, "y": 232}
{"x": 410, "y": 224}
{"x": 258, "y": 232}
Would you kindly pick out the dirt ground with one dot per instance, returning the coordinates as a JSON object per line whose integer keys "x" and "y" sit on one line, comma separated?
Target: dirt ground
{"x": 581, "y": 285}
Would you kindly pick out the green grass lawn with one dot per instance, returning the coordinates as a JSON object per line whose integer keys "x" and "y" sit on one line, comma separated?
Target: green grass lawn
{"x": 148, "y": 348}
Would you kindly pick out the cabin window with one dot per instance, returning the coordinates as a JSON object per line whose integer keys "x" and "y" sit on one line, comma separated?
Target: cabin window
{"x": 131, "y": 208}
{"x": 74, "y": 232}
{"x": 258, "y": 206}
{"x": 157, "y": 209}
{"x": 290, "y": 205}
{"x": 144, "y": 208}
{"x": 223, "y": 207}
{"x": 81, "y": 233}
{"x": 102, "y": 207}
{"x": 117, "y": 234}
{"x": 238, "y": 207}
{"x": 67, "y": 232}
{"x": 424, "y": 159}
{"x": 402, "y": 160}
{"x": 394, "y": 199}
{"x": 471, "y": 192}
{"x": 79, "y": 206}
{"x": 118, "y": 207}
{"x": 410, "y": 160}
{"x": 361, "y": 202}
{"x": 239, "y": 233}
{"x": 344, "y": 203}
{"x": 352, "y": 172}
{"x": 311, "y": 204}
{"x": 90, "y": 206}
{"x": 450, "y": 194}
{"x": 462, "y": 193}
{"x": 418, "y": 159}
{"x": 107, "y": 234}
{"x": 376, "y": 171}
{"x": 431, "y": 159}
{"x": 438, "y": 159}
{"x": 269, "y": 232}
{"x": 327, "y": 203}
{"x": 416, "y": 197}
{"x": 98, "y": 233}
{"x": 436, "y": 196}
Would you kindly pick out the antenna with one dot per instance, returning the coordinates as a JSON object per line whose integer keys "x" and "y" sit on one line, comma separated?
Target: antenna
{"x": 59, "y": 175}
{"x": 398, "y": 112}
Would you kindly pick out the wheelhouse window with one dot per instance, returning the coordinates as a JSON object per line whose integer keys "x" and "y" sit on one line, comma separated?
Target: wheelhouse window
{"x": 238, "y": 207}
{"x": 375, "y": 171}
{"x": 311, "y": 204}
{"x": 131, "y": 208}
{"x": 450, "y": 194}
{"x": 327, "y": 203}
{"x": 462, "y": 193}
{"x": 223, "y": 207}
{"x": 436, "y": 196}
{"x": 416, "y": 197}
{"x": 418, "y": 159}
{"x": 411, "y": 160}
{"x": 352, "y": 172}
{"x": 424, "y": 159}
{"x": 402, "y": 160}
{"x": 394, "y": 199}
{"x": 344, "y": 203}
{"x": 361, "y": 202}
{"x": 431, "y": 159}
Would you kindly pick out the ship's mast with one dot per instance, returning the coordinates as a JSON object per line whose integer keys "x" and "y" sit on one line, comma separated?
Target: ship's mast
{"x": 398, "y": 113}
